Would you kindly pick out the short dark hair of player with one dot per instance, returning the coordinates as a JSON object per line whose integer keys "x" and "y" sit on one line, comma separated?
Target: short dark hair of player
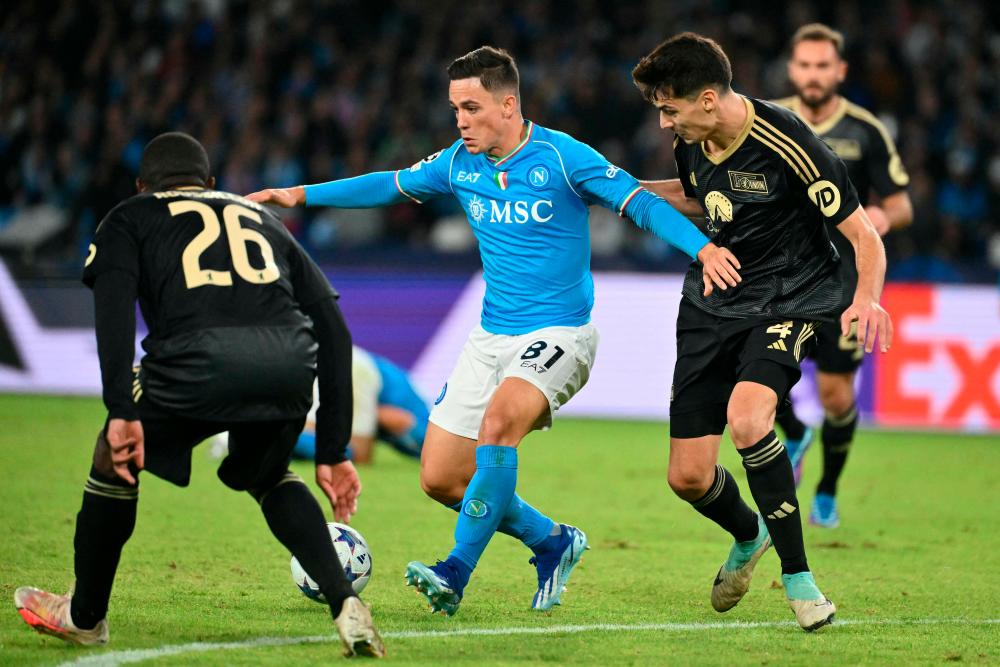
{"x": 172, "y": 159}
{"x": 683, "y": 66}
{"x": 819, "y": 32}
{"x": 494, "y": 67}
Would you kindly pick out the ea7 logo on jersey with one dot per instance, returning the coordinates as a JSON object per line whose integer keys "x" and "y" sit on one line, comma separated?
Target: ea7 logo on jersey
{"x": 612, "y": 171}
{"x": 826, "y": 196}
{"x": 746, "y": 182}
{"x": 426, "y": 160}
{"x": 467, "y": 176}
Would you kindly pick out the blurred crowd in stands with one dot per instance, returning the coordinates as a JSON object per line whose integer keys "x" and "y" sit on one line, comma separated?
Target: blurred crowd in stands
{"x": 288, "y": 92}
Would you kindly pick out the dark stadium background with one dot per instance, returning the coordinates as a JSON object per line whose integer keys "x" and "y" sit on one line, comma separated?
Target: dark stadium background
{"x": 288, "y": 92}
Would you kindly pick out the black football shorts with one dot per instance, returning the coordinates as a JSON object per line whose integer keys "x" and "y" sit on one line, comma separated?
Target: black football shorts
{"x": 714, "y": 353}
{"x": 836, "y": 353}
{"x": 258, "y": 450}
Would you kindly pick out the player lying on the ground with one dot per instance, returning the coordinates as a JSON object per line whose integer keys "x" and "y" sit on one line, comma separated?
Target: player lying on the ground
{"x": 768, "y": 185}
{"x": 816, "y": 68}
{"x": 387, "y": 408}
{"x": 525, "y": 190}
{"x": 238, "y": 330}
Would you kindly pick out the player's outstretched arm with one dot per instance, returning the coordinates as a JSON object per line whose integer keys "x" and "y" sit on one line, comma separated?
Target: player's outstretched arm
{"x": 873, "y": 321}
{"x": 368, "y": 191}
{"x": 672, "y": 191}
{"x": 284, "y": 197}
{"x": 428, "y": 178}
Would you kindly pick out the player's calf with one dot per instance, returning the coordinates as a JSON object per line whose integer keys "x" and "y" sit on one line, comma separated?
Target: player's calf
{"x": 769, "y": 474}
{"x": 296, "y": 519}
{"x": 837, "y": 436}
{"x": 103, "y": 526}
{"x": 722, "y": 504}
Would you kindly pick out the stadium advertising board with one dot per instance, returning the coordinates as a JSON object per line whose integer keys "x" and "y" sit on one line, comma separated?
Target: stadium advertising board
{"x": 943, "y": 371}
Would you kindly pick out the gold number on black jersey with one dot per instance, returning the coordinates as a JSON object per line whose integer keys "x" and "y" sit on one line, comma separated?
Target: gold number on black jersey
{"x": 239, "y": 236}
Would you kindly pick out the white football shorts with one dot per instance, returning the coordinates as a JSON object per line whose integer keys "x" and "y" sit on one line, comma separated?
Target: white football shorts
{"x": 557, "y": 360}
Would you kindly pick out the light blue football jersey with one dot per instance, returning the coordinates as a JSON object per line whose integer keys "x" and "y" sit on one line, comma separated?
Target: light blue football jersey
{"x": 528, "y": 209}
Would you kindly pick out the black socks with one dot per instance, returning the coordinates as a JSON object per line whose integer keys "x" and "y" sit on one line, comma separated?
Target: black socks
{"x": 723, "y": 505}
{"x": 769, "y": 473}
{"x": 103, "y": 526}
{"x": 838, "y": 433}
{"x": 296, "y": 519}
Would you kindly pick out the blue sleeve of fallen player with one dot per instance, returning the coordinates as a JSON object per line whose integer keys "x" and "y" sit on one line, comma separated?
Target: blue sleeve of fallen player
{"x": 368, "y": 191}
{"x": 650, "y": 212}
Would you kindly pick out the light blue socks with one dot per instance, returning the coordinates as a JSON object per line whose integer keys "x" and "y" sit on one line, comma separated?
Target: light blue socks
{"x": 485, "y": 503}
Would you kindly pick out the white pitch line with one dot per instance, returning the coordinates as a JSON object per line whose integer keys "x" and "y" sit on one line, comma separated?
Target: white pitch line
{"x": 114, "y": 658}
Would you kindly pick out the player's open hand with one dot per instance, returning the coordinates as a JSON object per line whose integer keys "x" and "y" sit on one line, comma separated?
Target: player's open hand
{"x": 718, "y": 268}
{"x": 342, "y": 486}
{"x": 285, "y": 197}
{"x": 873, "y": 322}
{"x": 127, "y": 444}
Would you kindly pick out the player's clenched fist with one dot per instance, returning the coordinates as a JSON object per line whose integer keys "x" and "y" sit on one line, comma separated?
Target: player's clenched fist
{"x": 719, "y": 268}
{"x": 286, "y": 197}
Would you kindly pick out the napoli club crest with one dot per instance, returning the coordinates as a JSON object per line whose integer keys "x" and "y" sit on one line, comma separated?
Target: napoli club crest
{"x": 538, "y": 176}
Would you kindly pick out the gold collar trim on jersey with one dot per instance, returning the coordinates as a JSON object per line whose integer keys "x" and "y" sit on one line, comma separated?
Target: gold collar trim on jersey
{"x": 787, "y": 148}
{"x": 824, "y": 126}
{"x": 737, "y": 142}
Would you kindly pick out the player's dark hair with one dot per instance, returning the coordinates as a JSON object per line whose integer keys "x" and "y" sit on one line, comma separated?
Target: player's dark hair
{"x": 494, "y": 67}
{"x": 683, "y": 66}
{"x": 171, "y": 159}
{"x": 819, "y": 32}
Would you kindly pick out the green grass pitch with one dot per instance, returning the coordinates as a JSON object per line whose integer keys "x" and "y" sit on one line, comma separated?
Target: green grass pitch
{"x": 914, "y": 568}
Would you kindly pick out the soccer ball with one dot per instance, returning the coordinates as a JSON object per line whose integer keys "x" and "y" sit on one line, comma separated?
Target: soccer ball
{"x": 352, "y": 550}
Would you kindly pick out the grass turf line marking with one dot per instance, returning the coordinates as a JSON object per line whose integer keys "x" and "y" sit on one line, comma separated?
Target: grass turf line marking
{"x": 114, "y": 658}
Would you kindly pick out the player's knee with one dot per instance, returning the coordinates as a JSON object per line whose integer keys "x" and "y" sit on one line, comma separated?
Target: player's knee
{"x": 445, "y": 489}
{"x": 240, "y": 475}
{"x": 837, "y": 399}
{"x": 498, "y": 428}
{"x": 264, "y": 489}
{"x": 102, "y": 458}
{"x": 747, "y": 427}
{"x": 689, "y": 482}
